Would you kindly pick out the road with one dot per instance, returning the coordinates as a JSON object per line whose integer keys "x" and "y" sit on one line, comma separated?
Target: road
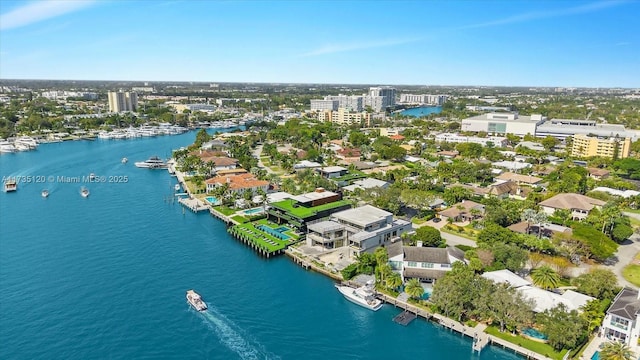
{"x": 256, "y": 154}
{"x": 451, "y": 239}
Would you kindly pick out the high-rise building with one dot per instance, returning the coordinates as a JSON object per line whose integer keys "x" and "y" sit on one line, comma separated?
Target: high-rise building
{"x": 387, "y": 94}
{"x": 612, "y": 147}
{"x": 325, "y": 105}
{"x": 121, "y": 101}
{"x": 423, "y": 99}
{"x": 350, "y": 102}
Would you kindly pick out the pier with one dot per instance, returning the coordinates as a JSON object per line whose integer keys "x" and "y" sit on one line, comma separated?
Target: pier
{"x": 194, "y": 205}
{"x": 404, "y": 318}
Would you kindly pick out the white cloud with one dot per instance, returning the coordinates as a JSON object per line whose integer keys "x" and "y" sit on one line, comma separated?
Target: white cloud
{"x": 535, "y": 15}
{"x": 344, "y": 47}
{"x": 38, "y": 11}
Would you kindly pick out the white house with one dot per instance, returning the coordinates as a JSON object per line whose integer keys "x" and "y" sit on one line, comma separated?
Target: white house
{"x": 622, "y": 322}
{"x": 425, "y": 263}
{"x": 579, "y": 205}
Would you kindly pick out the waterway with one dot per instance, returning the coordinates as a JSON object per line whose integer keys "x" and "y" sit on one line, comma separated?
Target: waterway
{"x": 422, "y": 111}
{"x": 105, "y": 276}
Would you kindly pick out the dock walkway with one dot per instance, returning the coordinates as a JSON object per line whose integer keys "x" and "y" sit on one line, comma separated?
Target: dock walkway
{"x": 405, "y": 317}
{"x": 194, "y": 205}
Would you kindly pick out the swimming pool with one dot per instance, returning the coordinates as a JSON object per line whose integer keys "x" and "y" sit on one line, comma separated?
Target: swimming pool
{"x": 212, "y": 200}
{"x": 530, "y": 332}
{"x": 281, "y": 229}
{"x": 252, "y": 211}
{"x": 596, "y": 356}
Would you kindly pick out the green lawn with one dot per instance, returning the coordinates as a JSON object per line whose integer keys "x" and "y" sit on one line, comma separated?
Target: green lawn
{"x": 302, "y": 212}
{"x": 224, "y": 210}
{"x": 635, "y": 211}
{"x": 632, "y": 274}
{"x": 239, "y": 218}
{"x": 535, "y": 346}
{"x": 463, "y": 234}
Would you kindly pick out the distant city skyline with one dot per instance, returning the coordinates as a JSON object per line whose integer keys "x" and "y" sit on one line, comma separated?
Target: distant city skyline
{"x": 453, "y": 43}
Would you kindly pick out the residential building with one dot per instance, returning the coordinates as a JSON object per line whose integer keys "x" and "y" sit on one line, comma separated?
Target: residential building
{"x": 345, "y": 116}
{"x": 612, "y": 147}
{"x": 219, "y": 163}
{"x": 238, "y": 183}
{"x": 324, "y": 105}
{"x": 365, "y": 184}
{"x": 302, "y": 209}
{"x": 503, "y": 123}
{"x": 380, "y": 98}
{"x": 546, "y": 230}
{"x": 391, "y": 131}
{"x": 423, "y": 99}
{"x": 122, "y": 101}
{"x": 426, "y": 264}
{"x": 622, "y": 321}
{"x": 598, "y": 174}
{"x": 330, "y": 172}
{"x": 350, "y": 102}
{"x": 194, "y": 107}
{"x": 511, "y": 165}
{"x": 579, "y": 205}
{"x": 543, "y": 299}
{"x": 519, "y": 179}
{"x": 622, "y": 193}
{"x": 466, "y": 210}
{"x": 531, "y": 145}
{"x": 497, "y": 141}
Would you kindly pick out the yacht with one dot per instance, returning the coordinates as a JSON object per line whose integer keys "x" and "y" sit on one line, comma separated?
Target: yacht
{"x": 196, "y": 301}
{"x": 7, "y": 147}
{"x": 154, "y": 162}
{"x": 26, "y": 142}
{"x": 10, "y": 185}
{"x": 84, "y": 192}
{"x": 363, "y": 296}
{"x": 45, "y": 193}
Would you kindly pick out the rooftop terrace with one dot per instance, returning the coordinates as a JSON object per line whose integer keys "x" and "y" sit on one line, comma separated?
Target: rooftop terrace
{"x": 302, "y": 212}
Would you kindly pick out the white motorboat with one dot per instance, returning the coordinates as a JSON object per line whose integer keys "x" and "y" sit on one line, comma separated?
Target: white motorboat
{"x": 154, "y": 162}
{"x": 45, "y": 193}
{"x": 195, "y": 300}
{"x": 124, "y": 160}
{"x": 92, "y": 177}
{"x": 363, "y": 296}
{"x": 7, "y": 147}
{"x": 84, "y": 192}
{"x": 10, "y": 185}
{"x": 177, "y": 187}
{"x": 26, "y": 142}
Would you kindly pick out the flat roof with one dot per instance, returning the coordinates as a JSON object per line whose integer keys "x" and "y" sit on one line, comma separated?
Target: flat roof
{"x": 517, "y": 119}
{"x": 330, "y": 169}
{"x": 315, "y": 195}
{"x": 363, "y": 215}
{"x": 324, "y": 226}
{"x": 302, "y": 212}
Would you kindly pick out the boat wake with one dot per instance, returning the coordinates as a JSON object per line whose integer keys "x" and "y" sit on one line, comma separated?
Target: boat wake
{"x": 231, "y": 336}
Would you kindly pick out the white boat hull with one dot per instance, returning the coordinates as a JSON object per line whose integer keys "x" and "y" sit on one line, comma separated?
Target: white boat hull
{"x": 348, "y": 293}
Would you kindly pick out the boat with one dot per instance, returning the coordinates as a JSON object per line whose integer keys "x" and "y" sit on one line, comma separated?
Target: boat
{"x": 45, "y": 193}
{"x": 177, "y": 187}
{"x": 196, "y": 301}
{"x": 124, "y": 160}
{"x": 92, "y": 176}
{"x": 7, "y": 147}
{"x": 84, "y": 192}
{"x": 153, "y": 162}
{"x": 10, "y": 185}
{"x": 363, "y": 296}
{"x": 26, "y": 142}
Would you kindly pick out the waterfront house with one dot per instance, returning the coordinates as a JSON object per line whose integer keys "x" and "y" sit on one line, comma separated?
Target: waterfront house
{"x": 363, "y": 229}
{"x": 301, "y": 209}
{"x": 578, "y": 204}
{"x": 238, "y": 183}
{"x": 466, "y": 210}
{"x": 426, "y": 264}
{"x": 622, "y": 321}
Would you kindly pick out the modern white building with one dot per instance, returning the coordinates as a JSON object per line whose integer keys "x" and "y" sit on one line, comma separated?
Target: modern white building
{"x": 503, "y": 123}
{"x": 622, "y": 322}
{"x": 121, "y": 101}
{"x": 349, "y": 102}
{"x": 362, "y": 229}
{"x": 563, "y": 128}
{"x": 497, "y": 141}
{"x": 324, "y": 105}
{"x": 63, "y": 95}
{"x": 423, "y": 99}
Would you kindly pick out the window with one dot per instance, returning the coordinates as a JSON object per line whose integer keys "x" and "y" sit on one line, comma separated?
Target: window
{"x": 412, "y": 264}
{"x": 427, "y": 265}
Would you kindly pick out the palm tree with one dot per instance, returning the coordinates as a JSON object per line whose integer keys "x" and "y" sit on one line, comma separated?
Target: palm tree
{"x": 414, "y": 288}
{"x": 393, "y": 280}
{"x": 545, "y": 277}
{"x": 616, "y": 351}
{"x": 540, "y": 218}
{"x": 383, "y": 271}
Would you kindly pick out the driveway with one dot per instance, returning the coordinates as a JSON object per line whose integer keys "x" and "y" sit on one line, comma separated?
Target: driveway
{"x": 624, "y": 256}
{"x": 451, "y": 239}
{"x": 256, "y": 154}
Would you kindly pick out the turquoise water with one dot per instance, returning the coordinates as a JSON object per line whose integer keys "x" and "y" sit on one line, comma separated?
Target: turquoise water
{"x": 596, "y": 356}
{"x": 274, "y": 232}
{"x": 422, "y": 111}
{"x": 534, "y": 333}
{"x": 282, "y": 229}
{"x": 105, "y": 277}
{"x": 212, "y": 200}
{"x": 253, "y": 211}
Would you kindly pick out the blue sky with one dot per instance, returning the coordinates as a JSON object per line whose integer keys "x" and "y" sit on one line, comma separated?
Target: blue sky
{"x": 507, "y": 43}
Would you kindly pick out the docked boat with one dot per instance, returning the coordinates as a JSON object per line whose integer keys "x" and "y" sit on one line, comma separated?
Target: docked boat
{"x": 177, "y": 187}
{"x": 124, "y": 160}
{"x": 45, "y": 193}
{"x": 7, "y": 147}
{"x": 10, "y": 185}
{"x": 154, "y": 162}
{"x": 26, "y": 143}
{"x": 84, "y": 192}
{"x": 363, "y": 296}
{"x": 195, "y": 300}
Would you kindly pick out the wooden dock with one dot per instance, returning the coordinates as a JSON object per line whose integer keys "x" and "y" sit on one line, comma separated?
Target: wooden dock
{"x": 194, "y": 205}
{"x": 405, "y": 317}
